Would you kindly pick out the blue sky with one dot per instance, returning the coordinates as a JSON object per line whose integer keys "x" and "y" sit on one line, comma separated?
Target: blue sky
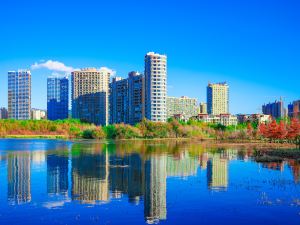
{"x": 254, "y": 45}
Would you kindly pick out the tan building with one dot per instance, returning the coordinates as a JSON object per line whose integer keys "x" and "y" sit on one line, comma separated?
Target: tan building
{"x": 218, "y": 98}
{"x": 90, "y": 95}
{"x": 203, "y": 108}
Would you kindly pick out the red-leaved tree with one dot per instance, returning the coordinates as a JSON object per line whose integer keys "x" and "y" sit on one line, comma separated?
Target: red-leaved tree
{"x": 294, "y": 131}
{"x": 272, "y": 130}
{"x": 282, "y": 130}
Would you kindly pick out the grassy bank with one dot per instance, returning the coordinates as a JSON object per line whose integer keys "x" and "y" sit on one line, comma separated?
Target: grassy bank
{"x": 75, "y": 129}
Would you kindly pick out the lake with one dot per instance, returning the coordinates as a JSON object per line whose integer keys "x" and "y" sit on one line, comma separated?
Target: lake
{"x": 143, "y": 182}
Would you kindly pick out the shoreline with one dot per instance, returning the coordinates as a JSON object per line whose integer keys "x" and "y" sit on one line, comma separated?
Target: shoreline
{"x": 209, "y": 142}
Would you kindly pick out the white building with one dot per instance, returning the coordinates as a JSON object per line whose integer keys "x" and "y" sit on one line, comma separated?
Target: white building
{"x": 155, "y": 87}
{"x": 38, "y": 114}
{"x": 224, "y": 119}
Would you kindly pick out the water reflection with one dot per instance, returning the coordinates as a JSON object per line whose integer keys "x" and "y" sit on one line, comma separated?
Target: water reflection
{"x": 95, "y": 173}
{"x": 18, "y": 177}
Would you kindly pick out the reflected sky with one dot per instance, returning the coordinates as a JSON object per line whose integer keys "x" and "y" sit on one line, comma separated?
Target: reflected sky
{"x": 143, "y": 182}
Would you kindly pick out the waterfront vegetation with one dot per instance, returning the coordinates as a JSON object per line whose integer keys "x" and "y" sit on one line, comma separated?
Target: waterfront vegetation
{"x": 275, "y": 131}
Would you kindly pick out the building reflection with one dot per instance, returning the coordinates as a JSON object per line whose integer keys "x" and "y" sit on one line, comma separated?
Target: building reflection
{"x": 216, "y": 166}
{"x": 57, "y": 174}
{"x": 155, "y": 204}
{"x": 90, "y": 173}
{"x": 18, "y": 178}
{"x": 217, "y": 173}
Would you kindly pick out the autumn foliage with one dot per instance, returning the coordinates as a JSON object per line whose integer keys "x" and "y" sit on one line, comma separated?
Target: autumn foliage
{"x": 281, "y": 131}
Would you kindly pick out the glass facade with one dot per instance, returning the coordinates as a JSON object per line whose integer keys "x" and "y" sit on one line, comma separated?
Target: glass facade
{"x": 57, "y": 98}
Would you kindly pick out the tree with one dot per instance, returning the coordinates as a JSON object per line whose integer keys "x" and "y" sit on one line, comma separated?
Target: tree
{"x": 249, "y": 130}
{"x": 282, "y": 130}
{"x": 294, "y": 131}
{"x": 262, "y": 129}
{"x": 272, "y": 130}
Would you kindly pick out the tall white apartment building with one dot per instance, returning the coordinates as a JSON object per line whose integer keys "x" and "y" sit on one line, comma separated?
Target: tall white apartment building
{"x": 218, "y": 98}
{"x": 19, "y": 94}
{"x": 155, "y": 87}
{"x": 90, "y": 95}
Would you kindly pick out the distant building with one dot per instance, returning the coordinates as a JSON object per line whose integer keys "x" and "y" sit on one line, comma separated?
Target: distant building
{"x": 185, "y": 106}
{"x": 136, "y": 98}
{"x": 155, "y": 87}
{"x": 224, "y": 119}
{"x": 3, "y": 113}
{"x": 19, "y": 94}
{"x": 296, "y": 109}
{"x": 38, "y": 114}
{"x": 118, "y": 100}
{"x": 218, "y": 98}
{"x": 290, "y": 110}
{"x": 203, "y": 108}
{"x": 90, "y": 95}
{"x": 275, "y": 109}
{"x": 258, "y": 118}
{"x": 57, "y": 98}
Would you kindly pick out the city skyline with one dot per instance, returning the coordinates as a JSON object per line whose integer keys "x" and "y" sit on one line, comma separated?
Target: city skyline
{"x": 218, "y": 41}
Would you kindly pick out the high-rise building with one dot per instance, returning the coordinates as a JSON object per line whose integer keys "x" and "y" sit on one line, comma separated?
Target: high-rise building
{"x": 290, "y": 110}
{"x": 19, "y": 94}
{"x": 118, "y": 104}
{"x": 90, "y": 95}
{"x": 185, "y": 106}
{"x": 218, "y": 98}
{"x": 155, "y": 87}
{"x": 57, "y": 97}
{"x": 136, "y": 98}
{"x": 296, "y": 109}
{"x": 275, "y": 109}
{"x": 203, "y": 108}
{"x": 3, "y": 113}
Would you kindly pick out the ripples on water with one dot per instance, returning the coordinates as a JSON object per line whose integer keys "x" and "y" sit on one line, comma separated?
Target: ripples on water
{"x": 58, "y": 182}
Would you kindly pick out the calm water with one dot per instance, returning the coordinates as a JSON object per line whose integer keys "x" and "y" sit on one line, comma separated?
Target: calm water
{"x": 58, "y": 182}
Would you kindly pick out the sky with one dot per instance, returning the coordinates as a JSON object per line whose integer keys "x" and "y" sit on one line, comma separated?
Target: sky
{"x": 253, "y": 45}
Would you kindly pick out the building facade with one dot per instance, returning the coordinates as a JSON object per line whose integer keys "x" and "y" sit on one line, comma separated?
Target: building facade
{"x": 136, "y": 98}
{"x": 203, "y": 108}
{"x": 3, "y": 113}
{"x": 19, "y": 94}
{"x": 57, "y": 98}
{"x": 224, "y": 119}
{"x": 275, "y": 109}
{"x": 38, "y": 114}
{"x": 185, "y": 106}
{"x": 218, "y": 98}
{"x": 118, "y": 101}
{"x": 155, "y": 87}
{"x": 257, "y": 118}
{"x": 90, "y": 95}
{"x": 296, "y": 109}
